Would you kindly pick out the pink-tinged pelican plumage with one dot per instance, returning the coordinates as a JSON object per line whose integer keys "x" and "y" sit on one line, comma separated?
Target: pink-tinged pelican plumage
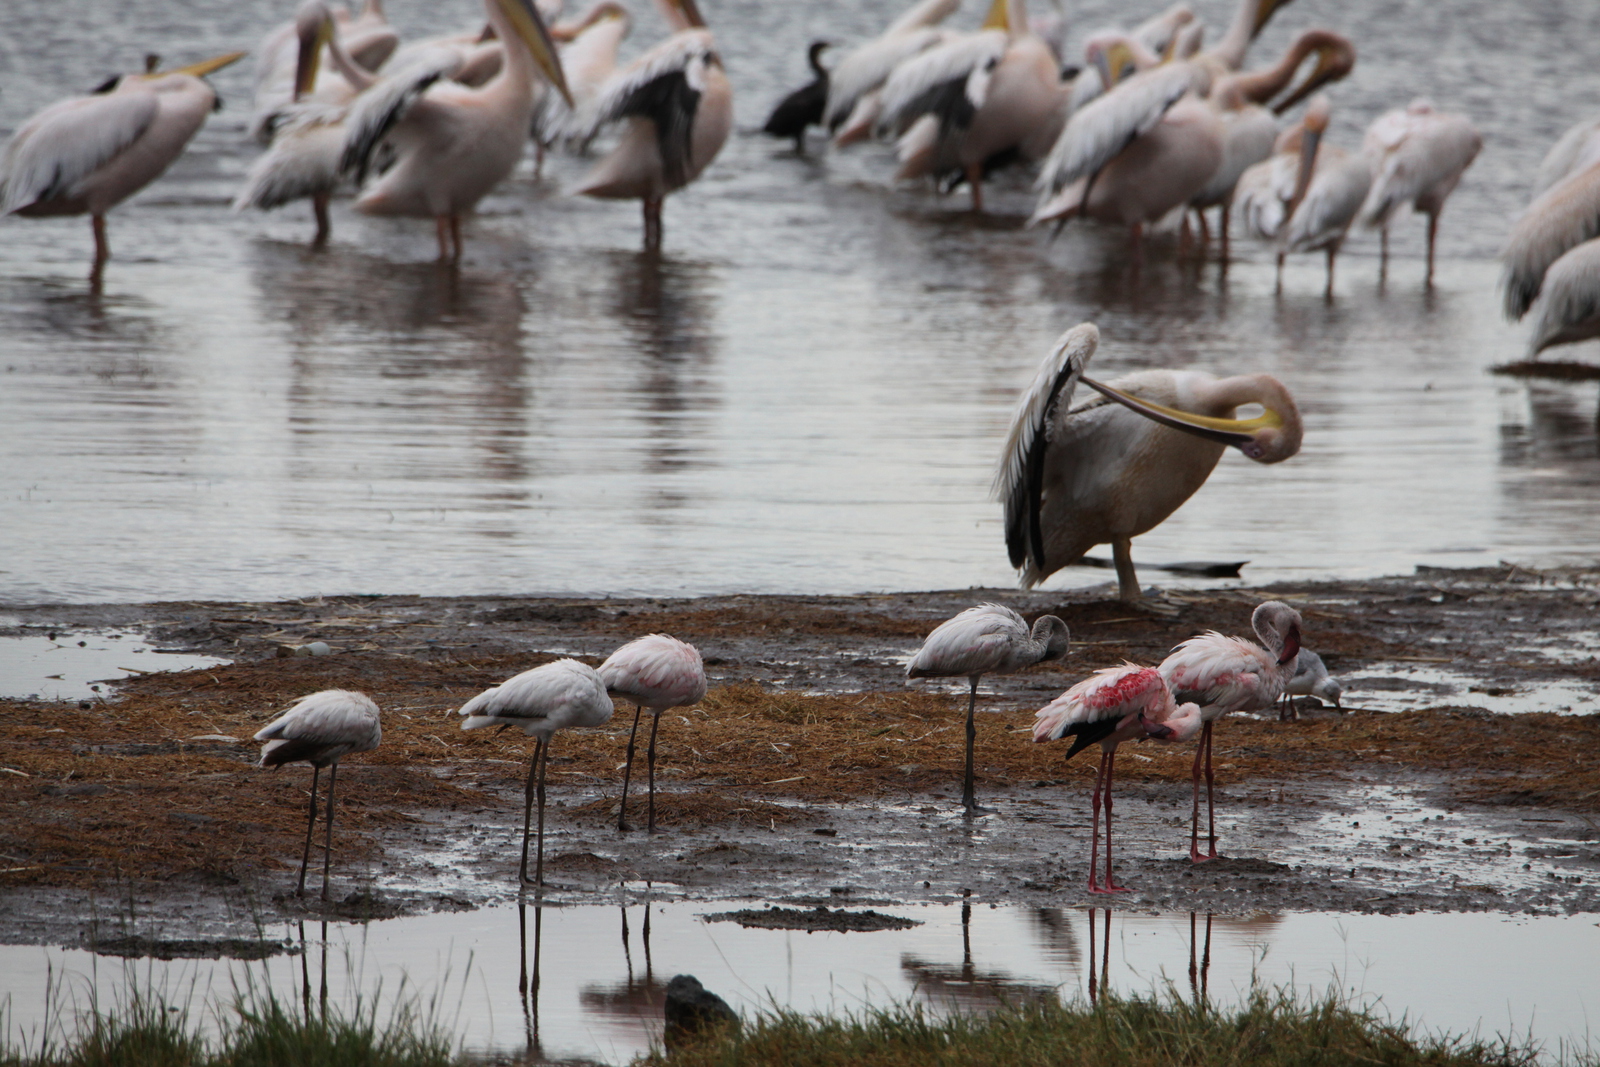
{"x": 1072, "y": 477}
{"x": 1569, "y": 299}
{"x": 1417, "y": 155}
{"x": 676, "y": 107}
{"x": 281, "y": 58}
{"x": 856, "y": 81}
{"x": 1152, "y": 39}
{"x": 986, "y": 639}
{"x": 588, "y": 59}
{"x": 321, "y": 729}
{"x": 539, "y": 702}
{"x": 87, "y": 154}
{"x": 453, "y": 143}
{"x": 981, "y": 97}
{"x": 1223, "y": 674}
{"x": 1111, "y": 706}
{"x": 1576, "y": 150}
{"x": 1559, "y": 219}
{"x": 656, "y": 672}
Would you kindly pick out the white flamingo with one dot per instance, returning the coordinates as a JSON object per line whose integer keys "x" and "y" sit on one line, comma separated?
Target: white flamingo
{"x": 320, "y": 730}
{"x": 539, "y": 702}
{"x": 986, "y": 639}
{"x": 656, "y": 672}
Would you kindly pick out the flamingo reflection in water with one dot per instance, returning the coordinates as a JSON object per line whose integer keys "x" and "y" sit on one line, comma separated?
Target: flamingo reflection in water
{"x": 967, "y": 987}
{"x": 528, "y": 983}
{"x": 638, "y": 998}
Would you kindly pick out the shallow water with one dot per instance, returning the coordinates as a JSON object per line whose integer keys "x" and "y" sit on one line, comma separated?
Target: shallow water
{"x": 805, "y": 394}
{"x": 73, "y": 666}
{"x": 603, "y": 968}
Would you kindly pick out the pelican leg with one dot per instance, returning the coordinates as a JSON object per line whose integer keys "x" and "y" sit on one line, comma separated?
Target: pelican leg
{"x": 319, "y": 207}
{"x": 102, "y": 247}
{"x": 1094, "y": 831}
{"x": 968, "y": 801}
{"x": 1333, "y": 250}
{"x": 1111, "y": 885}
{"x": 1433, "y": 231}
{"x": 527, "y": 804}
{"x": 455, "y": 238}
{"x": 1383, "y": 254}
{"x": 1280, "y": 272}
{"x": 650, "y": 759}
{"x": 652, "y": 224}
{"x": 1222, "y": 229}
{"x": 1127, "y": 580}
{"x": 975, "y": 179}
{"x": 1137, "y": 236}
{"x": 627, "y": 772}
{"x": 1194, "y": 819}
{"x": 311, "y": 824}
{"x": 1205, "y": 231}
{"x": 441, "y": 225}
{"x": 327, "y": 848}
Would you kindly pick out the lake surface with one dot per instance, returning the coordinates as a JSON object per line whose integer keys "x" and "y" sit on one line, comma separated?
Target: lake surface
{"x": 603, "y": 968}
{"x": 806, "y": 393}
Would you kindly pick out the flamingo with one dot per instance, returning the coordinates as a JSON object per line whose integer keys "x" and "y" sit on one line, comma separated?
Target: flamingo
{"x": 1112, "y": 706}
{"x": 986, "y": 639}
{"x": 1311, "y": 679}
{"x": 856, "y": 81}
{"x": 1071, "y": 477}
{"x": 541, "y": 701}
{"x": 805, "y": 105}
{"x": 320, "y": 730}
{"x": 679, "y": 109}
{"x": 1224, "y": 674}
{"x": 87, "y": 154}
{"x": 1417, "y": 155}
{"x": 453, "y": 142}
{"x": 966, "y": 105}
{"x": 656, "y": 672}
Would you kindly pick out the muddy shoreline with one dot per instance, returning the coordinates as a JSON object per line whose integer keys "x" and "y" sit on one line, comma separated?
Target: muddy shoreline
{"x": 813, "y": 774}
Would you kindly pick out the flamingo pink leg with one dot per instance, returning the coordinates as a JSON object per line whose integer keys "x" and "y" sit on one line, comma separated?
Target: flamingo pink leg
{"x": 1111, "y": 886}
{"x": 1211, "y": 799}
{"x": 1200, "y": 753}
{"x": 1094, "y": 833}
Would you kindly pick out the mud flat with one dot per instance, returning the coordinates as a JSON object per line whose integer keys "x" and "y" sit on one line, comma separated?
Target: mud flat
{"x": 1460, "y": 774}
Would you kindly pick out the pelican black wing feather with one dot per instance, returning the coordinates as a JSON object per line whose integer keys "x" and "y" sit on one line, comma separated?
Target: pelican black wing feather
{"x": 670, "y": 102}
{"x": 1024, "y": 526}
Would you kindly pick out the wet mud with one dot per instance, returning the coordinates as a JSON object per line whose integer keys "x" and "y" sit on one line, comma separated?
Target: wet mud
{"x": 813, "y": 774}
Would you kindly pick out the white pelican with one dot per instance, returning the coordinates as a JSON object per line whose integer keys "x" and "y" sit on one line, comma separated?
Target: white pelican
{"x": 678, "y": 109}
{"x": 986, "y": 639}
{"x": 1576, "y": 150}
{"x": 1560, "y": 219}
{"x": 281, "y": 56}
{"x": 975, "y": 101}
{"x": 1071, "y": 477}
{"x": 1417, "y": 156}
{"x": 856, "y": 79}
{"x": 1569, "y": 300}
{"x": 307, "y": 149}
{"x": 588, "y": 59}
{"x": 452, "y": 142}
{"x": 321, "y": 729}
{"x": 87, "y": 154}
{"x": 1154, "y": 38}
{"x": 656, "y": 672}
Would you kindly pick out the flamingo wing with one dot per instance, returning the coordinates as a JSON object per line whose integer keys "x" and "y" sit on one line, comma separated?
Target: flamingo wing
{"x": 1221, "y": 673}
{"x": 542, "y": 700}
{"x": 1102, "y": 704}
{"x": 657, "y": 670}
{"x": 322, "y": 726}
{"x": 66, "y": 143}
{"x": 976, "y": 641}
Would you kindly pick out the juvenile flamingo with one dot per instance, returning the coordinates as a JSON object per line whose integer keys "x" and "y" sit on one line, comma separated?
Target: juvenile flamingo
{"x": 1224, "y": 674}
{"x": 986, "y": 639}
{"x": 540, "y": 702}
{"x": 656, "y": 672}
{"x": 1112, "y": 706}
{"x": 1311, "y": 679}
{"x": 320, "y": 730}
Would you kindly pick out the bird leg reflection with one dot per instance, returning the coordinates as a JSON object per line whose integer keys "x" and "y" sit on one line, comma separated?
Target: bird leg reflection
{"x": 1199, "y": 988}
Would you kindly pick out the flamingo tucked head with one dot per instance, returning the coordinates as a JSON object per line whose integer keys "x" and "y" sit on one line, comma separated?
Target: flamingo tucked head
{"x": 1053, "y": 634}
{"x": 1278, "y": 626}
{"x": 1180, "y": 725}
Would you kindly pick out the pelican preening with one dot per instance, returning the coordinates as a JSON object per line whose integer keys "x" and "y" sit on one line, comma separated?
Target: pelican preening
{"x": 452, "y": 142}
{"x": 677, "y": 109}
{"x": 87, "y": 154}
{"x": 1072, "y": 477}
{"x": 1417, "y": 156}
{"x": 283, "y": 58}
{"x": 856, "y": 80}
{"x": 321, "y": 729}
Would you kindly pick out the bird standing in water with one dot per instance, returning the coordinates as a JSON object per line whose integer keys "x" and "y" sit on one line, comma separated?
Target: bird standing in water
{"x": 804, "y": 106}
{"x": 656, "y": 672}
{"x": 320, "y": 730}
{"x": 986, "y": 639}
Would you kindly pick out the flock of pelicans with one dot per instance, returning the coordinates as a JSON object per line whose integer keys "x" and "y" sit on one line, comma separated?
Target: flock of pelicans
{"x": 1203, "y": 679}
{"x": 1152, "y": 127}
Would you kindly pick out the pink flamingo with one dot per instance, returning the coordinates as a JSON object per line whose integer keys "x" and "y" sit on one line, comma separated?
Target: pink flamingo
{"x": 1224, "y": 674}
{"x": 986, "y": 639}
{"x": 656, "y": 672}
{"x": 1112, "y": 706}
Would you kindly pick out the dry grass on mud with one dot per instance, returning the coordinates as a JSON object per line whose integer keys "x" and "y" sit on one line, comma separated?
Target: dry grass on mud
{"x": 141, "y": 790}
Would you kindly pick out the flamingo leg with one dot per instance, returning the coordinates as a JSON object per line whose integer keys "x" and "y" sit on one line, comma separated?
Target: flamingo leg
{"x": 1111, "y": 885}
{"x": 650, "y": 758}
{"x": 528, "y": 795}
{"x": 1094, "y": 835}
{"x": 1194, "y": 819}
{"x": 1433, "y": 230}
{"x": 311, "y": 824}
{"x": 975, "y": 179}
{"x": 1383, "y": 254}
{"x": 1328, "y": 292}
{"x": 538, "y": 865}
{"x": 627, "y": 772}
{"x": 968, "y": 801}
{"x": 327, "y": 848}
{"x": 1280, "y": 272}
{"x": 319, "y": 207}
{"x": 1211, "y": 799}
{"x": 1127, "y": 581}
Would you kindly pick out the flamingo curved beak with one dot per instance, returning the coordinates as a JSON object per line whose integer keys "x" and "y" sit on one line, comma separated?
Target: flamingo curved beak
{"x": 1238, "y": 433}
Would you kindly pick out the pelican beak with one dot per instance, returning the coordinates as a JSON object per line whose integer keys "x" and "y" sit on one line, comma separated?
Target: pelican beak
{"x": 1235, "y": 432}
{"x": 309, "y": 60}
{"x": 999, "y": 18}
{"x": 531, "y": 28}
{"x": 1116, "y": 63}
{"x": 1265, "y": 9}
{"x": 1333, "y": 63}
{"x": 690, "y": 11}
{"x": 1308, "y": 162}
{"x": 204, "y": 67}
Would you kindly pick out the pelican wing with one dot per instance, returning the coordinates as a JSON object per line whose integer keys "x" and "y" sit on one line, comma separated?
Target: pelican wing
{"x": 1425, "y": 152}
{"x": 663, "y": 85}
{"x": 376, "y": 112}
{"x": 303, "y": 159}
{"x": 1019, "y": 481}
{"x": 869, "y": 66}
{"x": 921, "y": 15}
{"x": 1561, "y": 218}
{"x": 1261, "y": 197}
{"x": 950, "y": 81}
{"x": 1578, "y": 149}
{"x": 1097, "y": 134}
{"x": 1569, "y": 307}
{"x": 61, "y": 146}
{"x": 1336, "y": 193}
